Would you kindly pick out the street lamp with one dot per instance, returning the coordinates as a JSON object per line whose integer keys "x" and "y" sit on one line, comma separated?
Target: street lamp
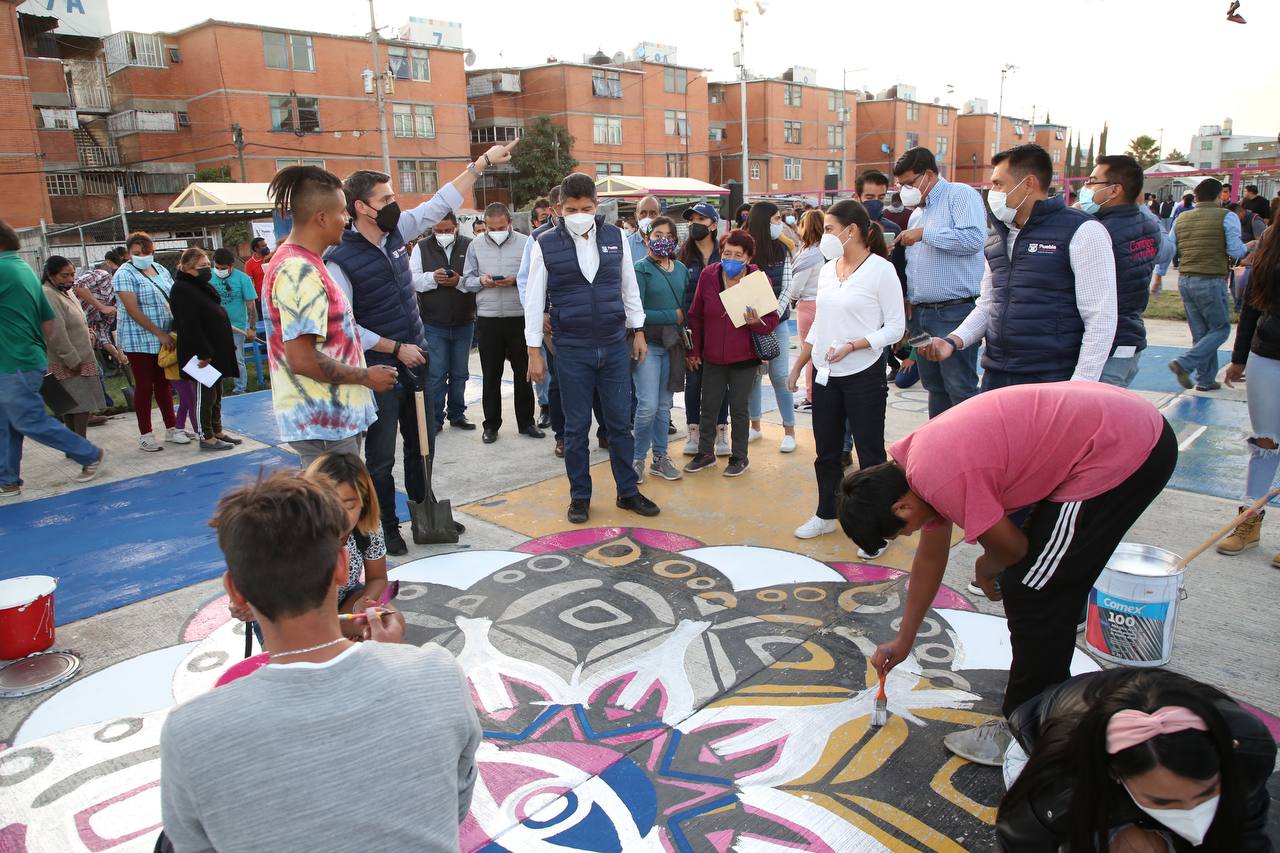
{"x": 1004, "y": 72}
{"x": 740, "y": 16}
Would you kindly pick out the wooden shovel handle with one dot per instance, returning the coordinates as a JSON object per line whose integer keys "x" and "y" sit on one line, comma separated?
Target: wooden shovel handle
{"x": 1227, "y": 528}
{"x": 424, "y": 440}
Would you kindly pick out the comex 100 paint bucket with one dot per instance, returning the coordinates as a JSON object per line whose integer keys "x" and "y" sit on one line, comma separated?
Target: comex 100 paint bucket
{"x": 1133, "y": 606}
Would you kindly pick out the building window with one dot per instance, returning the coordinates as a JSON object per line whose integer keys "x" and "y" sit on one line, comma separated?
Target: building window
{"x": 606, "y": 130}
{"x": 287, "y": 51}
{"x": 1018, "y": 129}
{"x": 943, "y": 144}
{"x": 755, "y": 170}
{"x": 715, "y": 94}
{"x": 409, "y": 64}
{"x": 140, "y": 50}
{"x": 716, "y": 134}
{"x": 1057, "y": 155}
{"x": 414, "y": 120}
{"x": 675, "y": 80}
{"x": 296, "y": 114}
{"x": 298, "y": 161}
{"x": 418, "y": 176}
{"x": 677, "y": 166}
{"x": 791, "y": 132}
{"x": 833, "y": 101}
{"x": 500, "y": 133}
{"x": 835, "y": 136}
{"x": 1206, "y": 144}
{"x": 791, "y": 168}
{"x": 606, "y": 84}
{"x": 1059, "y": 135}
{"x": 913, "y": 139}
{"x": 62, "y": 183}
{"x": 834, "y": 167}
{"x": 944, "y": 117}
{"x": 913, "y": 111}
{"x": 603, "y": 170}
{"x": 1205, "y": 164}
{"x": 675, "y": 123}
{"x": 791, "y": 94}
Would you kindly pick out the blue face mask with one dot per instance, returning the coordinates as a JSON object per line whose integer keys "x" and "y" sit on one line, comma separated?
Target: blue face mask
{"x": 791, "y": 220}
{"x": 775, "y": 230}
{"x": 732, "y": 267}
{"x": 144, "y": 262}
{"x": 1087, "y": 204}
{"x": 874, "y": 209}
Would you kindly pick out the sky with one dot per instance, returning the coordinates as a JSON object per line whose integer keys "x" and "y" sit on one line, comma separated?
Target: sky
{"x": 1083, "y": 61}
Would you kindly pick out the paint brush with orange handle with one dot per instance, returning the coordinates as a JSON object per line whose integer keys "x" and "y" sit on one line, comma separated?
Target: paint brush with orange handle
{"x": 880, "y": 713}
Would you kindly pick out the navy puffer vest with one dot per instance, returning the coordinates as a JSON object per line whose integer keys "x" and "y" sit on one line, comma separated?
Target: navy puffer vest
{"x": 382, "y": 295}
{"x": 584, "y": 313}
{"x": 1135, "y": 239}
{"x": 1034, "y": 326}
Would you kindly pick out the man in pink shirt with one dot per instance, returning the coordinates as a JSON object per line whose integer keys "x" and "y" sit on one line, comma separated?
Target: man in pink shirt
{"x": 1086, "y": 458}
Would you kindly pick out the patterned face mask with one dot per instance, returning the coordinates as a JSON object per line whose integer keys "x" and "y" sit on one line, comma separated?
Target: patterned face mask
{"x": 662, "y": 247}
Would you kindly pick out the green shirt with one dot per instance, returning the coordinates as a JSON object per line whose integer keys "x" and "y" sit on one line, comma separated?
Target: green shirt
{"x": 233, "y": 292}
{"x": 23, "y": 308}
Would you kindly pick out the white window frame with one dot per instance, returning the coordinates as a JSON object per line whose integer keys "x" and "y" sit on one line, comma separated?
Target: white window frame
{"x": 835, "y": 135}
{"x": 792, "y": 169}
{"x": 606, "y": 130}
{"x": 606, "y": 83}
{"x": 413, "y": 121}
{"x": 913, "y": 111}
{"x": 944, "y": 144}
{"x": 294, "y": 102}
{"x": 675, "y": 80}
{"x": 675, "y": 123}
{"x": 755, "y": 170}
{"x": 793, "y": 132}
{"x": 298, "y": 161}
{"x": 62, "y": 183}
{"x": 792, "y": 94}
{"x": 416, "y": 168}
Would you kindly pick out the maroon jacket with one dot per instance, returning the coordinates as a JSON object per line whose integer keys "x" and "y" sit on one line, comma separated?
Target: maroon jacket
{"x": 715, "y": 339}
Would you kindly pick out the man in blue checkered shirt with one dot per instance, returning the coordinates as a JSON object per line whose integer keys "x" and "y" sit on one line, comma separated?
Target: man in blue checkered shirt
{"x": 943, "y": 241}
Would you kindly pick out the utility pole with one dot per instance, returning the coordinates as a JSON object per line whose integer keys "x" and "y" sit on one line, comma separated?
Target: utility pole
{"x": 237, "y": 139}
{"x": 377, "y": 88}
{"x": 742, "y": 70}
{"x": 1005, "y": 71}
{"x": 844, "y": 129}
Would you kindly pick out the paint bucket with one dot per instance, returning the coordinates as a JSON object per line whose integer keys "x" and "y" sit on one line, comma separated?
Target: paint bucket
{"x": 1133, "y": 606}
{"x": 26, "y": 615}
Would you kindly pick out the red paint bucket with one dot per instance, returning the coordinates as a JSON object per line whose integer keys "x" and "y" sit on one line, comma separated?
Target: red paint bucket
{"x": 26, "y": 615}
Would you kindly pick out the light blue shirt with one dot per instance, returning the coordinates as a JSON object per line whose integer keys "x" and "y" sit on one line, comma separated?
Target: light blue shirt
{"x": 1231, "y": 228}
{"x": 948, "y": 262}
{"x": 522, "y": 275}
{"x": 1165, "y": 253}
{"x": 636, "y": 241}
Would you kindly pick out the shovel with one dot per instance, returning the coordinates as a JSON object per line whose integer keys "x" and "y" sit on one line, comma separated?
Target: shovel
{"x": 431, "y": 520}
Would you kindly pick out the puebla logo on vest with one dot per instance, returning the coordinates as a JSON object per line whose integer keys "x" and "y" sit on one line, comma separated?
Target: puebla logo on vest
{"x": 607, "y": 248}
{"x": 1042, "y": 248}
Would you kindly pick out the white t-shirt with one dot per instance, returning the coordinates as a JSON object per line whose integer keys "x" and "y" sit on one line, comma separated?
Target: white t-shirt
{"x": 868, "y": 304}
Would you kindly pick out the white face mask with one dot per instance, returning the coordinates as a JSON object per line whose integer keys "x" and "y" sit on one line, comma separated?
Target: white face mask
{"x": 831, "y": 246}
{"x": 998, "y": 202}
{"x": 499, "y": 237}
{"x": 445, "y": 240}
{"x": 223, "y": 274}
{"x": 1191, "y": 824}
{"x": 911, "y": 196}
{"x": 645, "y": 224}
{"x": 580, "y": 223}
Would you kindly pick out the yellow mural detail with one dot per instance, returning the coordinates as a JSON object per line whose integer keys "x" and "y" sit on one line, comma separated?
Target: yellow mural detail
{"x": 946, "y": 789}
{"x": 917, "y": 829}
{"x": 819, "y": 659}
{"x": 884, "y": 742}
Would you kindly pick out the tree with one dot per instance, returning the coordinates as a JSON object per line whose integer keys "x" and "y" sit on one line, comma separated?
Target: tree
{"x": 1144, "y": 149}
{"x": 215, "y": 175}
{"x": 1176, "y": 156}
{"x": 1088, "y": 160}
{"x": 237, "y": 233}
{"x": 1102, "y": 142}
{"x": 541, "y": 160}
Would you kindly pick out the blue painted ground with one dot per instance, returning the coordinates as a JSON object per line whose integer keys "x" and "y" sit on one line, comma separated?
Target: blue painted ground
{"x": 119, "y": 543}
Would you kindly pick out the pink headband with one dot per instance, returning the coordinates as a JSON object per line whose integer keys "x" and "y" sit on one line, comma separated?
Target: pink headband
{"x": 1130, "y": 728}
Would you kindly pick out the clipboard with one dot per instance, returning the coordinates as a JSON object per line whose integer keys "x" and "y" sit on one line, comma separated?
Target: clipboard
{"x": 754, "y": 291}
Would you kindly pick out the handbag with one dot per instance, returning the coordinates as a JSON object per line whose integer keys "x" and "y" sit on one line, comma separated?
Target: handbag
{"x": 686, "y": 337}
{"x": 766, "y": 346}
{"x": 57, "y": 398}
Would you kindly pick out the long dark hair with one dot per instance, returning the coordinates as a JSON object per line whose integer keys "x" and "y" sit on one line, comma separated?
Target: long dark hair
{"x": 690, "y": 255}
{"x": 1264, "y": 280}
{"x": 768, "y": 250}
{"x": 850, "y": 212}
{"x": 54, "y": 265}
{"x": 1077, "y": 747}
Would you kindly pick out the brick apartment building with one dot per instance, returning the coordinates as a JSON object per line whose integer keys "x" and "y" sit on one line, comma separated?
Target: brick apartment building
{"x": 976, "y": 142}
{"x": 632, "y": 117}
{"x": 894, "y": 121}
{"x": 21, "y": 172}
{"x": 146, "y": 111}
{"x": 794, "y": 135}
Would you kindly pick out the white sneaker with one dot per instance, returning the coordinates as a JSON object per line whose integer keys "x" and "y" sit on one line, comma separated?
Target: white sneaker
{"x": 722, "y": 441}
{"x": 176, "y": 436}
{"x": 189, "y": 434}
{"x": 974, "y": 589}
{"x": 691, "y": 443}
{"x": 754, "y": 435}
{"x": 148, "y": 443}
{"x": 788, "y": 444}
{"x": 815, "y": 527}
{"x": 638, "y": 465}
{"x": 865, "y": 556}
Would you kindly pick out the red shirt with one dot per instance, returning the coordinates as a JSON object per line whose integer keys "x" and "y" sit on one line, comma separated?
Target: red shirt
{"x": 254, "y": 268}
{"x": 715, "y": 339}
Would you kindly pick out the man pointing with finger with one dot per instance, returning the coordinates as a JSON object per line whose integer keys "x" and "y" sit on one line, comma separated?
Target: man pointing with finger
{"x": 371, "y": 265}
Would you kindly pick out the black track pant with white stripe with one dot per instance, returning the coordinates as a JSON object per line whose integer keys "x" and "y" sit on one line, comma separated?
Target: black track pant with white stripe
{"x": 1069, "y": 545}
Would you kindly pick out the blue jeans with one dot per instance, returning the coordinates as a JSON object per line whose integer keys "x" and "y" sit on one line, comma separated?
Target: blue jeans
{"x": 653, "y": 403}
{"x": 22, "y": 414}
{"x": 955, "y": 380}
{"x": 1264, "y": 418}
{"x": 241, "y": 382}
{"x": 1205, "y": 299}
{"x": 1121, "y": 372}
{"x": 779, "y": 371}
{"x": 581, "y": 373}
{"x": 543, "y": 388}
{"x": 449, "y": 354}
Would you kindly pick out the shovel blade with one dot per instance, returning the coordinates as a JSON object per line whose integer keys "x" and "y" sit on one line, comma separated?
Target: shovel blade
{"x": 432, "y": 523}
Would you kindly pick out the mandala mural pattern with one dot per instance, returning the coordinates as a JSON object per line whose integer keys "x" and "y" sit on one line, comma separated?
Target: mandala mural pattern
{"x": 638, "y": 692}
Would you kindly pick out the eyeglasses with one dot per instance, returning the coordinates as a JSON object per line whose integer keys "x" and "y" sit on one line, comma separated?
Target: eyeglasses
{"x": 1093, "y": 183}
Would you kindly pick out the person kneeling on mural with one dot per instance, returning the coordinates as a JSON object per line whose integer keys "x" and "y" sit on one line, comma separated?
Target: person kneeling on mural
{"x": 258, "y": 764}
{"x": 1139, "y": 760}
{"x": 1086, "y": 459}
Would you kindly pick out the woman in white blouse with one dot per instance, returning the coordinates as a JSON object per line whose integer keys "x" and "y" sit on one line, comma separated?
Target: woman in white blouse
{"x": 859, "y": 313}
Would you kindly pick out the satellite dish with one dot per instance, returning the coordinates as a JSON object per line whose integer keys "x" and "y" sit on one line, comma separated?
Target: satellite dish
{"x": 884, "y": 148}
{"x": 640, "y": 52}
{"x": 619, "y": 58}
{"x": 469, "y": 58}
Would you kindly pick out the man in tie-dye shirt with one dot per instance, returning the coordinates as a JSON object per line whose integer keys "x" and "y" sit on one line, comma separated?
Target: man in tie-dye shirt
{"x": 320, "y": 387}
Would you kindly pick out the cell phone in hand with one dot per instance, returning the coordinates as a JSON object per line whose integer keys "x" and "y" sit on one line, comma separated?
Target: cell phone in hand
{"x": 920, "y": 339}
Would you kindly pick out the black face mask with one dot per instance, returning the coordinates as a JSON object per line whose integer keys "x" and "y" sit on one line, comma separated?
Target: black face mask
{"x": 388, "y": 218}
{"x": 264, "y": 251}
{"x": 698, "y": 231}
{"x": 205, "y": 275}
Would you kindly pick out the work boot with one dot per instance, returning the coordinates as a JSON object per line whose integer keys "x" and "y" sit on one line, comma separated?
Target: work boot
{"x": 1244, "y": 537}
{"x": 396, "y": 546}
{"x": 985, "y": 744}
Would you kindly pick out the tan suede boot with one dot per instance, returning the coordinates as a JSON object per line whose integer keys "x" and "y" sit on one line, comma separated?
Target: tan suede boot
{"x": 1244, "y": 537}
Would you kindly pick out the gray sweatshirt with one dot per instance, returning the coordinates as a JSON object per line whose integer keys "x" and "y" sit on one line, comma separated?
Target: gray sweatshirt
{"x": 374, "y": 749}
{"x": 485, "y": 257}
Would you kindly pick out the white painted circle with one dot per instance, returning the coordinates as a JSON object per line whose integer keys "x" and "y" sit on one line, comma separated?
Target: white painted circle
{"x": 21, "y": 591}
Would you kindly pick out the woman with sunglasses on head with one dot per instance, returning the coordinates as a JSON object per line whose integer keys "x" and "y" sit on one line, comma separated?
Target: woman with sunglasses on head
{"x": 1136, "y": 761}
{"x": 774, "y": 260}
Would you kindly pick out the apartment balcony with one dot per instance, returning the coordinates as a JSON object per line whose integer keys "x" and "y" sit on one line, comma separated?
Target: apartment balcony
{"x": 87, "y": 83}
{"x": 98, "y": 156}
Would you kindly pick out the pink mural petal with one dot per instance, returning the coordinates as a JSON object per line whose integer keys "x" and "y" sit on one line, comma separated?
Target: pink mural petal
{"x": 208, "y": 618}
{"x": 721, "y": 840}
{"x": 663, "y": 539}
{"x": 14, "y": 837}
{"x": 947, "y": 597}
{"x": 1272, "y": 723}
{"x": 570, "y": 539}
